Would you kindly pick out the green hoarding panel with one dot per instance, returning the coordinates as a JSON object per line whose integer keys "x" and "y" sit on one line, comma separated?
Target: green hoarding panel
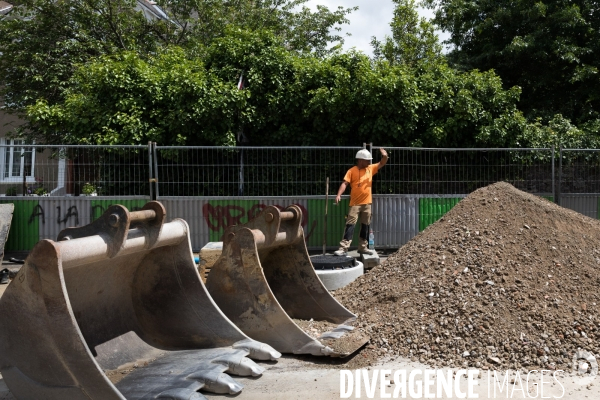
{"x": 99, "y": 206}
{"x": 336, "y": 222}
{"x": 432, "y": 209}
{"x": 24, "y": 230}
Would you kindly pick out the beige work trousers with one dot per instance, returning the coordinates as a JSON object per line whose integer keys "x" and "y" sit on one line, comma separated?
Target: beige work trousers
{"x": 360, "y": 213}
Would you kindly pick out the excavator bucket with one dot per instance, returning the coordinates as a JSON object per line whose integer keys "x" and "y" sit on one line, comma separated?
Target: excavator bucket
{"x": 6, "y": 214}
{"x": 121, "y": 294}
{"x": 266, "y": 284}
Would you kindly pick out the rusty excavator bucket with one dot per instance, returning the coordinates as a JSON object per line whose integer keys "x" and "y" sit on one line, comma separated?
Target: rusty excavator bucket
{"x": 121, "y": 294}
{"x": 266, "y": 284}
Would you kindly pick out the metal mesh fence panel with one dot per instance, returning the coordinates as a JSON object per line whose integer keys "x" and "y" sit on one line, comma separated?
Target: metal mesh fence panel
{"x": 580, "y": 171}
{"x": 251, "y": 171}
{"x": 74, "y": 170}
{"x": 301, "y": 171}
{"x": 281, "y": 171}
{"x": 461, "y": 171}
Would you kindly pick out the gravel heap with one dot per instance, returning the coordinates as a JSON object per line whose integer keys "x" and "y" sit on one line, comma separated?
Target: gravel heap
{"x": 505, "y": 280}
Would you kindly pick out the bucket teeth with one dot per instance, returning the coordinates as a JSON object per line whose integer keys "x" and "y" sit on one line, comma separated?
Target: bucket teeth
{"x": 257, "y": 350}
{"x": 315, "y": 348}
{"x": 337, "y": 333}
{"x": 216, "y": 381}
{"x": 191, "y": 369}
{"x": 238, "y": 364}
{"x": 246, "y": 367}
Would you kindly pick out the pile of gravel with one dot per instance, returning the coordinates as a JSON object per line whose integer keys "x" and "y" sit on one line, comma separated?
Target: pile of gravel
{"x": 504, "y": 280}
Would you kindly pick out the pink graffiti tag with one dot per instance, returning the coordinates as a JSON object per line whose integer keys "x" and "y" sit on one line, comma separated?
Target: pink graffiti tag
{"x": 220, "y": 217}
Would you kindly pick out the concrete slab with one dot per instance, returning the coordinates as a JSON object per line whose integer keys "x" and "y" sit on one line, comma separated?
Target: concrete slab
{"x": 370, "y": 260}
{"x": 208, "y": 256}
{"x": 210, "y": 253}
{"x": 290, "y": 379}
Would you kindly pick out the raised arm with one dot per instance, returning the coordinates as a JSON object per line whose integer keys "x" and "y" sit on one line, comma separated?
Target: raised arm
{"x": 384, "y": 158}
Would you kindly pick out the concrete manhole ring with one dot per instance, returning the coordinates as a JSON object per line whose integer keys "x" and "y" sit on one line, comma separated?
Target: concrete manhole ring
{"x": 336, "y": 272}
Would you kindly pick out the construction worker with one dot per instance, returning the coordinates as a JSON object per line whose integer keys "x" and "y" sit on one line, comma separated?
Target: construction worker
{"x": 360, "y": 179}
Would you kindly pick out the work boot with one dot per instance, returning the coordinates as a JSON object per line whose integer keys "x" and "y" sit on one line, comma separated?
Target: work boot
{"x": 344, "y": 246}
{"x": 363, "y": 247}
{"x": 366, "y": 251}
{"x": 341, "y": 252}
{"x": 4, "y": 276}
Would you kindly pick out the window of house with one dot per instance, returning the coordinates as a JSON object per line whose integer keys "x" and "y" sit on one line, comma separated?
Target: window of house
{"x": 17, "y": 160}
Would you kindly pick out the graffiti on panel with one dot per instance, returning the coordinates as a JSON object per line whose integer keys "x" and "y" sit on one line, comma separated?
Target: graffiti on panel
{"x": 37, "y": 211}
{"x": 71, "y": 212}
{"x": 220, "y": 216}
{"x": 29, "y": 217}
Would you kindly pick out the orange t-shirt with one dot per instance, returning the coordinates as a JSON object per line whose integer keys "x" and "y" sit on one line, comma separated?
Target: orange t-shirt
{"x": 361, "y": 181}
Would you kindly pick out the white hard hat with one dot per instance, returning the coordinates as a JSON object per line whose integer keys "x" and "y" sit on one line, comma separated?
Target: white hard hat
{"x": 364, "y": 155}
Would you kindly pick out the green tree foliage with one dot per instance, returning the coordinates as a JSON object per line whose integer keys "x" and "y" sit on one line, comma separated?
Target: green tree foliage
{"x": 413, "y": 38}
{"x": 550, "y": 48}
{"x": 196, "y": 22}
{"x": 560, "y": 132}
{"x": 289, "y": 99}
{"x": 167, "y": 98}
{"x": 346, "y": 98}
{"x": 130, "y": 80}
{"x": 42, "y": 41}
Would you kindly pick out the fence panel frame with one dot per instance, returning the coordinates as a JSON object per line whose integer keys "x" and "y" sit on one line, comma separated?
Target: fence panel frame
{"x": 557, "y": 176}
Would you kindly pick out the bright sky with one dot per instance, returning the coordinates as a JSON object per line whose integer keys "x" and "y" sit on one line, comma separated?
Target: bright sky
{"x": 372, "y": 19}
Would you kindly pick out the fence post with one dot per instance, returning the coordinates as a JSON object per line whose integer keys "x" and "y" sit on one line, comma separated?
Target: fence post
{"x": 155, "y": 161}
{"x": 150, "y": 174}
{"x": 241, "y": 175}
{"x": 325, "y": 219}
{"x": 553, "y": 177}
{"x": 559, "y": 183}
{"x": 24, "y": 169}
